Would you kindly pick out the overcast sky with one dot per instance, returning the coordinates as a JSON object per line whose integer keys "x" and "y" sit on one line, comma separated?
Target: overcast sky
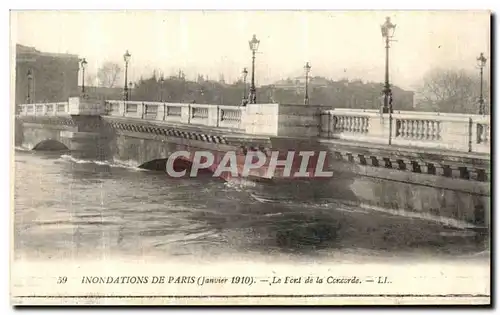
{"x": 337, "y": 44}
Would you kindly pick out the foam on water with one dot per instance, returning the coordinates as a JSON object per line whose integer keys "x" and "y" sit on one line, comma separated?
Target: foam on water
{"x": 239, "y": 183}
{"x": 118, "y": 164}
{"x": 423, "y": 216}
{"x": 16, "y": 148}
{"x": 69, "y": 158}
{"x": 366, "y": 208}
{"x": 273, "y": 214}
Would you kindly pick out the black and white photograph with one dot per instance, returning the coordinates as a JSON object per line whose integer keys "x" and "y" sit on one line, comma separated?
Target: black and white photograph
{"x": 250, "y": 157}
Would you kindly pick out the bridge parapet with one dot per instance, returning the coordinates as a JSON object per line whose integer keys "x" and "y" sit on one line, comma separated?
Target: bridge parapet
{"x": 446, "y": 131}
{"x": 253, "y": 119}
{"x": 44, "y": 109}
{"x": 241, "y": 118}
{"x": 83, "y": 106}
{"x": 74, "y": 106}
{"x": 456, "y": 132}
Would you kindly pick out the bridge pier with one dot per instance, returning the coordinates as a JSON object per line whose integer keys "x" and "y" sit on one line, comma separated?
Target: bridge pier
{"x": 75, "y": 125}
{"x": 83, "y": 145}
{"x": 78, "y": 134}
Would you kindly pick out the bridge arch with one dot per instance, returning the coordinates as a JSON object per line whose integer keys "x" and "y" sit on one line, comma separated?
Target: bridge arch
{"x": 50, "y": 145}
{"x": 180, "y": 163}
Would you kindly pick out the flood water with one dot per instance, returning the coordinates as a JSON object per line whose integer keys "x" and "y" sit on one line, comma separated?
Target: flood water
{"x": 67, "y": 208}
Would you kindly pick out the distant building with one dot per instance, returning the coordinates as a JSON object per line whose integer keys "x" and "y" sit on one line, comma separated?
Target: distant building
{"x": 342, "y": 93}
{"x": 299, "y": 83}
{"x": 55, "y": 76}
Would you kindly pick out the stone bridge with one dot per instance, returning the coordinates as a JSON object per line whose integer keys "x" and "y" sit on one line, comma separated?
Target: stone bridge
{"x": 429, "y": 165}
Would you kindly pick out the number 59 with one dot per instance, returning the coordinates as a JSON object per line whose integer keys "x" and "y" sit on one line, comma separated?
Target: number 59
{"x": 61, "y": 280}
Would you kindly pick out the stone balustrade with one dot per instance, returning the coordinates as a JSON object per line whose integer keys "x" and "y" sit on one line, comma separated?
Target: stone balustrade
{"x": 456, "y": 132}
{"x": 480, "y": 134}
{"x": 219, "y": 116}
{"x": 447, "y": 131}
{"x": 364, "y": 126}
{"x": 44, "y": 109}
{"x": 74, "y": 106}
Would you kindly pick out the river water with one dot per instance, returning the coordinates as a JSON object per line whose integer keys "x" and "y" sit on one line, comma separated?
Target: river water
{"x": 67, "y": 208}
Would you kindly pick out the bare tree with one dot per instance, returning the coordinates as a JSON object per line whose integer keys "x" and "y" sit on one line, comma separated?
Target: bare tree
{"x": 108, "y": 74}
{"x": 454, "y": 91}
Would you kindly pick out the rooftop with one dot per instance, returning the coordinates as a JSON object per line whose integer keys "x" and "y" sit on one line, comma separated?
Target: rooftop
{"x": 27, "y": 50}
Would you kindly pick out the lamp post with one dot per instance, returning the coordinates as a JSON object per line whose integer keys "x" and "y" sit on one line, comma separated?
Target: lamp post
{"x": 202, "y": 95}
{"x": 162, "y": 80}
{"x": 83, "y": 64}
{"x": 387, "y": 32}
{"x": 126, "y": 58}
{"x": 254, "y": 46}
{"x": 30, "y": 78}
{"x": 245, "y": 73}
{"x": 481, "y": 62}
{"x": 307, "y": 69}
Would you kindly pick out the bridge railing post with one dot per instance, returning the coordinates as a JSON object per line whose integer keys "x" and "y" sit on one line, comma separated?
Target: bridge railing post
{"x": 262, "y": 119}
{"x": 219, "y": 115}
{"x": 186, "y": 113}
{"x": 480, "y": 134}
{"x": 455, "y": 133}
{"x": 123, "y": 108}
{"x": 140, "y": 110}
{"x": 213, "y": 116}
{"x": 244, "y": 117}
{"x": 325, "y": 124}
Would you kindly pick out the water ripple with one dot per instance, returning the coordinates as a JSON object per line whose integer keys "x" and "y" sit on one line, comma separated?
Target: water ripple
{"x": 65, "y": 205}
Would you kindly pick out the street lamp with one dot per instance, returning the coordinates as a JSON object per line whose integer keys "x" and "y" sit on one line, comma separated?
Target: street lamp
{"x": 254, "y": 46}
{"x": 162, "y": 80}
{"x": 126, "y": 58}
{"x": 202, "y": 95}
{"x": 481, "y": 62}
{"x": 245, "y": 73}
{"x": 307, "y": 69}
{"x": 83, "y": 64}
{"x": 30, "y": 78}
{"x": 387, "y": 32}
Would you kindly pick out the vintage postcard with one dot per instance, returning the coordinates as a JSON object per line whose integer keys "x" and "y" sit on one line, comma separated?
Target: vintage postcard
{"x": 250, "y": 157}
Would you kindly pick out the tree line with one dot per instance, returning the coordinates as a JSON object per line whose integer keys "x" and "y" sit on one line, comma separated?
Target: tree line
{"x": 453, "y": 91}
{"x": 441, "y": 90}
